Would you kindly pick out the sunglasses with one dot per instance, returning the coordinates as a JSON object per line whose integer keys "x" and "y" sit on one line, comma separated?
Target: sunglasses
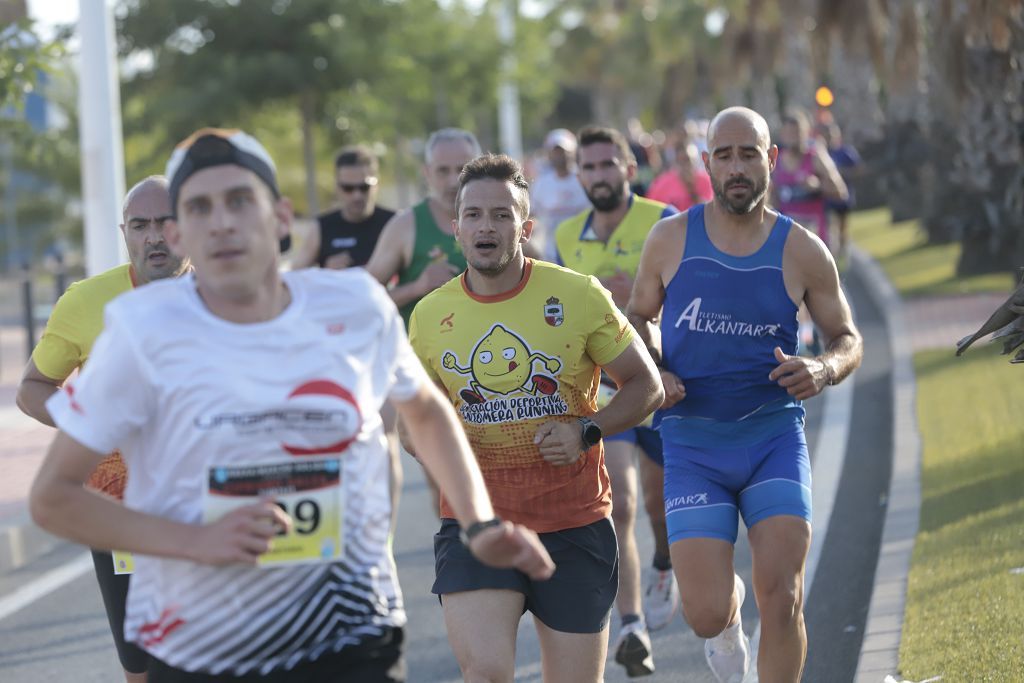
{"x": 358, "y": 187}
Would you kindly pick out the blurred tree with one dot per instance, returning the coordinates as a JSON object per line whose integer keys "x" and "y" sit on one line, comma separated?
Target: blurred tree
{"x": 216, "y": 62}
{"x": 48, "y": 209}
{"x": 39, "y": 169}
{"x": 24, "y": 58}
{"x": 849, "y": 52}
{"x": 976, "y": 130}
{"x": 379, "y": 72}
{"x": 654, "y": 60}
{"x": 907, "y": 150}
{"x": 990, "y": 162}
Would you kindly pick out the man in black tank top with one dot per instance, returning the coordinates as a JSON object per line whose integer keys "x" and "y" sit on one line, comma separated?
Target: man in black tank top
{"x": 346, "y": 236}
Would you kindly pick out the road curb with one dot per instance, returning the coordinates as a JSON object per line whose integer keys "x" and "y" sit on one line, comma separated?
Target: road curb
{"x": 880, "y": 649}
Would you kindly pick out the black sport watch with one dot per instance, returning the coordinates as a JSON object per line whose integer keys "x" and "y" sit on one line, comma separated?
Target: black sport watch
{"x": 466, "y": 535}
{"x": 590, "y": 431}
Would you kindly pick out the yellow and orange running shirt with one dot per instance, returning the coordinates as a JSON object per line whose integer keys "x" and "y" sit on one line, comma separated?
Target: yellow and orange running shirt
{"x": 74, "y": 324}
{"x": 512, "y": 362}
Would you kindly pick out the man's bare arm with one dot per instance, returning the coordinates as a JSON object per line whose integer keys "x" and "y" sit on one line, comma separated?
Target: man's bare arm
{"x": 393, "y": 254}
{"x": 560, "y": 443}
{"x": 404, "y": 437}
{"x": 832, "y": 184}
{"x": 830, "y": 311}
{"x": 305, "y": 257}
{"x": 394, "y": 246}
{"x": 809, "y": 260}
{"x": 659, "y": 260}
{"x": 33, "y": 392}
{"x": 61, "y": 504}
{"x": 640, "y": 390}
{"x": 438, "y": 441}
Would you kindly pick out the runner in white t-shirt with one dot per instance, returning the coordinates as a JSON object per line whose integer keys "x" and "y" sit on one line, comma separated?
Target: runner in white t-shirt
{"x": 246, "y": 404}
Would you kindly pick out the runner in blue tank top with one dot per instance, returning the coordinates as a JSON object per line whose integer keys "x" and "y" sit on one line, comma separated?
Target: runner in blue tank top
{"x": 726, "y": 279}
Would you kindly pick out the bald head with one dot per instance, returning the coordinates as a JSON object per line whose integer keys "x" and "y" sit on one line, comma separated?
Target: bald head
{"x": 740, "y": 159}
{"x": 150, "y": 185}
{"x": 737, "y": 119}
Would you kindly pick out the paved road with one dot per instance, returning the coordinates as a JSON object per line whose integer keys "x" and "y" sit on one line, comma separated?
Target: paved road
{"x": 62, "y": 636}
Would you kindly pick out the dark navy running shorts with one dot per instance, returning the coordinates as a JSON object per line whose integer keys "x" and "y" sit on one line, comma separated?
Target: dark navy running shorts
{"x": 576, "y": 599}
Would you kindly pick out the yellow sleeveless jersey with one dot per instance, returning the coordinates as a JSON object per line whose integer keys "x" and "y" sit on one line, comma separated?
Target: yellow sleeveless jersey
{"x": 512, "y": 362}
{"x": 74, "y": 324}
{"x": 624, "y": 245}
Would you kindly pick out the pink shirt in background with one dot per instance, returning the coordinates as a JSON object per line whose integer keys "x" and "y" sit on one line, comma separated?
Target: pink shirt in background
{"x": 669, "y": 188}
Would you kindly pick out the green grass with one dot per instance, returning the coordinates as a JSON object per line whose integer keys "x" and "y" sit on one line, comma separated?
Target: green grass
{"x": 914, "y": 267}
{"x": 965, "y": 609}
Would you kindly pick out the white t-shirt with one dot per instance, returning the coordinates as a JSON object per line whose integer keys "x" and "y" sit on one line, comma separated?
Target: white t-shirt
{"x": 554, "y": 199}
{"x": 179, "y": 389}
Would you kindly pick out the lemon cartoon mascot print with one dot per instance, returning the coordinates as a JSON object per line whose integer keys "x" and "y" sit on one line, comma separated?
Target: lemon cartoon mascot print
{"x": 501, "y": 363}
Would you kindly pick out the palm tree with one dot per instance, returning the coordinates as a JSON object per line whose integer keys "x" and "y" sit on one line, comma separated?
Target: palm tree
{"x": 987, "y": 73}
{"x": 905, "y": 107}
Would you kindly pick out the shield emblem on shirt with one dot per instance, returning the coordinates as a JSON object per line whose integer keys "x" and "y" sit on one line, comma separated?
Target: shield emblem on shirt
{"x": 553, "y": 314}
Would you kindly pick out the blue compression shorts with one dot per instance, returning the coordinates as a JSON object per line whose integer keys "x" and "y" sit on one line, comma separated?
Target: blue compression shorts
{"x": 707, "y": 488}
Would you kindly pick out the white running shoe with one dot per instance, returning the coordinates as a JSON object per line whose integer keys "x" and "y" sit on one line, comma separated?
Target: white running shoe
{"x": 633, "y": 650}
{"x": 661, "y": 599}
{"x": 728, "y": 653}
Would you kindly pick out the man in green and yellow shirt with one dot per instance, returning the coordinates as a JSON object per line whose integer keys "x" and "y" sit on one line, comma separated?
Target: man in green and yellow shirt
{"x": 606, "y": 241}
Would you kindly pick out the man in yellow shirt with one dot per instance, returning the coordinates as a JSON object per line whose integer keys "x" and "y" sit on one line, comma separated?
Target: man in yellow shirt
{"x": 74, "y": 324}
{"x": 518, "y": 346}
{"x": 606, "y": 242}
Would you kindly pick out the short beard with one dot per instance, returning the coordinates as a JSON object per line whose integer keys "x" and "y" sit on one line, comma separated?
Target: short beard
{"x": 740, "y": 207}
{"x": 607, "y": 203}
{"x": 496, "y": 268}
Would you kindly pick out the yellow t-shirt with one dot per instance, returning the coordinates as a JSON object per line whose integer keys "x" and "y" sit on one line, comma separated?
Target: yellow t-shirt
{"x": 623, "y": 248}
{"x": 77, "y": 320}
{"x": 74, "y": 324}
{"x": 513, "y": 362}
{"x": 602, "y": 259}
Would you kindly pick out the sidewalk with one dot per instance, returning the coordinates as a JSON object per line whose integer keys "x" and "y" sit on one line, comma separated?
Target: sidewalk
{"x": 939, "y": 322}
{"x": 23, "y": 442}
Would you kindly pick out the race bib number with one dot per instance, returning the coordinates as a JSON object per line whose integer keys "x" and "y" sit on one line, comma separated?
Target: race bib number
{"x": 309, "y": 491}
{"x": 124, "y": 563}
{"x": 604, "y": 395}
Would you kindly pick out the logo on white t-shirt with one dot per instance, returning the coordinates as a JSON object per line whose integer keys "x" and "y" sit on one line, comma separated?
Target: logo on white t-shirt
{"x": 318, "y": 417}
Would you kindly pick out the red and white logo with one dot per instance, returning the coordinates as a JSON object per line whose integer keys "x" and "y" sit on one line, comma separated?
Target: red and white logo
{"x": 554, "y": 315}
{"x": 333, "y": 405}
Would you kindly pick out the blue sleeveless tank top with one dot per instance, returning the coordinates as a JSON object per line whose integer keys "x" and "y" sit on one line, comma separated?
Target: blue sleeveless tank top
{"x": 723, "y": 316}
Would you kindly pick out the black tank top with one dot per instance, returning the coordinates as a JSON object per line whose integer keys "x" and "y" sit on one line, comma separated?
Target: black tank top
{"x": 358, "y": 239}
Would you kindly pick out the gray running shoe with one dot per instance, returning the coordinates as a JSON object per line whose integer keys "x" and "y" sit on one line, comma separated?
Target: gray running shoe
{"x": 633, "y": 650}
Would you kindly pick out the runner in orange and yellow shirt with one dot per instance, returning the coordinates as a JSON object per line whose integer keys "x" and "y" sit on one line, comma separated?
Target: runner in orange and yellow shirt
{"x": 518, "y": 345}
